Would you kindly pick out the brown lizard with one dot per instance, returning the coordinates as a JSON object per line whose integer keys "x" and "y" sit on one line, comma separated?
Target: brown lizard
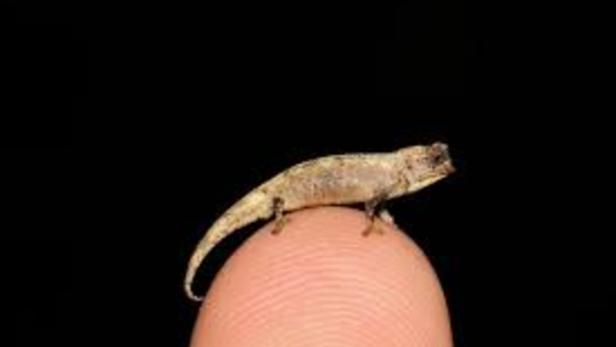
{"x": 331, "y": 180}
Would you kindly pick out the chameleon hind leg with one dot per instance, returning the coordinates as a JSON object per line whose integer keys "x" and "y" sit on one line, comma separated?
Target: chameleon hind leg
{"x": 280, "y": 220}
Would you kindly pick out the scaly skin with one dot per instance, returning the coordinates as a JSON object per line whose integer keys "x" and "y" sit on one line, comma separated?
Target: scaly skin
{"x": 331, "y": 180}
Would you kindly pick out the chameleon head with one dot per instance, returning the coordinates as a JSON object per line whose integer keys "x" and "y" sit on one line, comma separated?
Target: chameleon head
{"x": 424, "y": 165}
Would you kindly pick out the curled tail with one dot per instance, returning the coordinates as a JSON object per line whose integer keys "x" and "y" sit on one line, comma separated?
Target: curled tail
{"x": 202, "y": 249}
{"x": 249, "y": 209}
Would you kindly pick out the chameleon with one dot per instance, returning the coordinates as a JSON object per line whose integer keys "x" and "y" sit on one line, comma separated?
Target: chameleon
{"x": 368, "y": 178}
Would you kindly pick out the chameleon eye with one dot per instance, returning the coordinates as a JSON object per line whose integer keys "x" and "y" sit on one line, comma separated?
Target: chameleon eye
{"x": 439, "y": 158}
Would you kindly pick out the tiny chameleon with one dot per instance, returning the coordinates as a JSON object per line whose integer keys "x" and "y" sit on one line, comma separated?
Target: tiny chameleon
{"x": 370, "y": 178}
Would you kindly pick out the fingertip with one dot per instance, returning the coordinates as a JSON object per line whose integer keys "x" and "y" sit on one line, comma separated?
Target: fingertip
{"x": 319, "y": 282}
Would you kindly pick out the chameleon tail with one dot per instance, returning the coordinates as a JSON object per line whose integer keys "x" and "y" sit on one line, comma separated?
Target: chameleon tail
{"x": 203, "y": 248}
{"x": 252, "y": 208}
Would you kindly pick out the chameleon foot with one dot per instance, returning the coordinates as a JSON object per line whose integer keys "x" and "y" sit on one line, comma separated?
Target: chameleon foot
{"x": 386, "y": 217}
{"x": 372, "y": 228}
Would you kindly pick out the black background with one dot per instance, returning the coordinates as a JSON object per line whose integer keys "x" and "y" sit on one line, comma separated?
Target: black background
{"x": 132, "y": 128}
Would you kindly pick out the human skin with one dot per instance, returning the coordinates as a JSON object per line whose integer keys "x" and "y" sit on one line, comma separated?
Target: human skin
{"x": 321, "y": 283}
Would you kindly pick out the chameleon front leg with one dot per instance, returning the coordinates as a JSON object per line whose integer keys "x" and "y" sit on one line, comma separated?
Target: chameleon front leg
{"x": 371, "y": 206}
{"x": 376, "y": 204}
{"x": 280, "y": 219}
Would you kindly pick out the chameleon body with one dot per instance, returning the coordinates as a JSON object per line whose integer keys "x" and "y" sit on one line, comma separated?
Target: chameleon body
{"x": 331, "y": 180}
